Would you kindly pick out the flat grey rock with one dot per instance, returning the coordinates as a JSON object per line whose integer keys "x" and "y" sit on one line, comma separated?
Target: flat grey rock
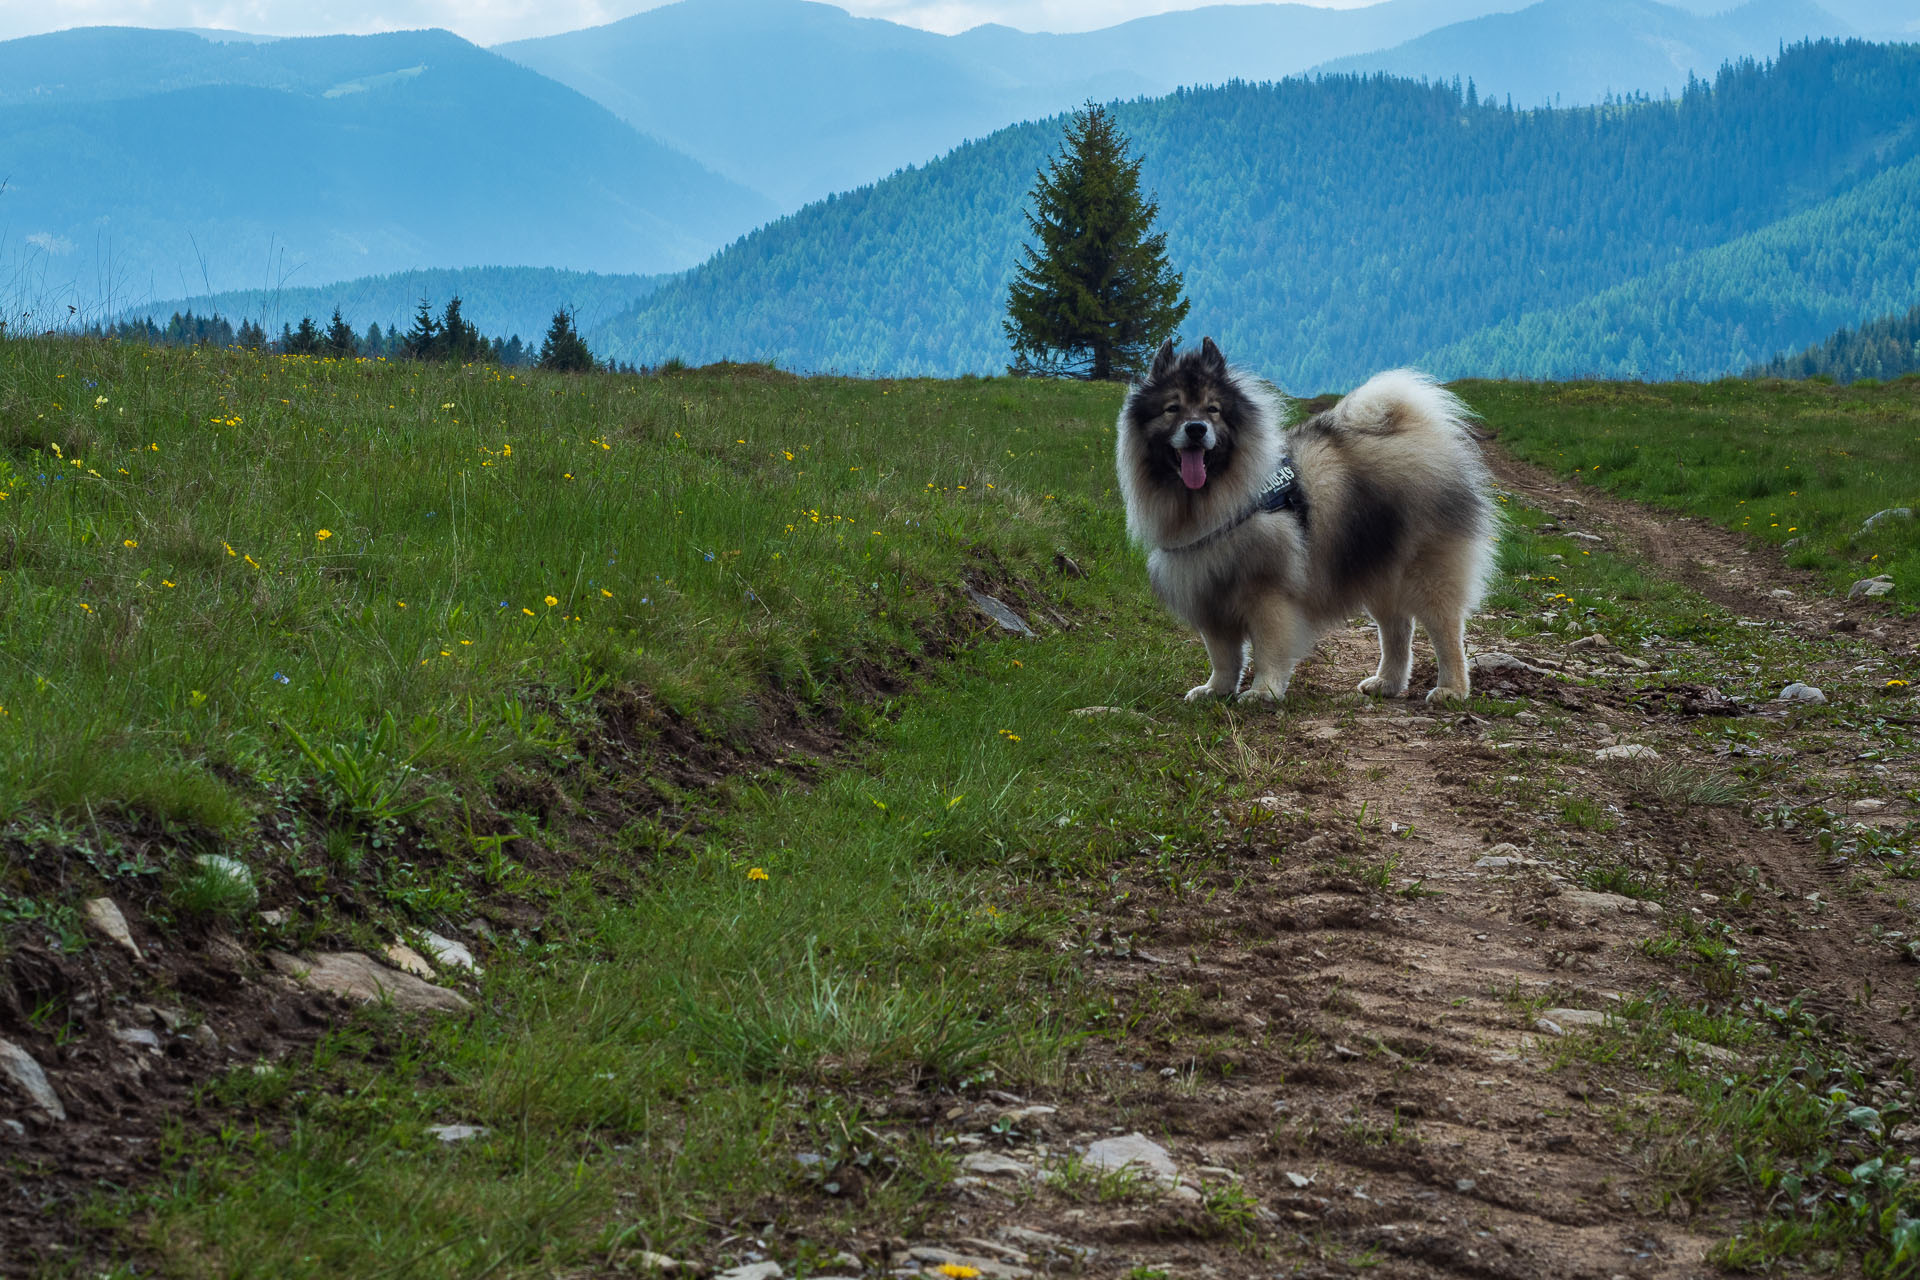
{"x": 1007, "y": 619}
{"x": 361, "y": 977}
{"x": 138, "y": 1038}
{"x": 1576, "y": 1017}
{"x": 1868, "y": 588}
{"x": 1882, "y": 517}
{"x": 934, "y": 1256}
{"x": 768, "y": 1270}
{"x": 456, "y": 1132}
{"x": 104, "y": 915}
{"x": 1797, "y": 692}
{"x": 449, "y": 953}
{"x": 407, "y": 960}
{"x": 991, "y": 1164}
{"x": 1134, "y": 1151}
{"x": 1627, "y": 751}
{"x": 1615, "y": 903}
{"x": 19, "y": 1066}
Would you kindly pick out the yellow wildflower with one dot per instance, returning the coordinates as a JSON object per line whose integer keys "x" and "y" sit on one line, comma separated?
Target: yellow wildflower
{"x": 165, "y": 583}
{"x": 526, "y": 611}
{"x": 608, "y": 594}
{"x": 552, "y": 601}
{"x": 757, "y": 873}
{"x": 957, "y": 1270}
{"x": 322, "y": 535}
{"x": 128, "y": 543}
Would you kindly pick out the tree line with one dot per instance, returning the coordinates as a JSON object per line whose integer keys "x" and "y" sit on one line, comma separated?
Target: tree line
{"x": 448, "y": 336}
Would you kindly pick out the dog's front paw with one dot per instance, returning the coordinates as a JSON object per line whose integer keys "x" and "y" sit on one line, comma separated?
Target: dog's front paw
{"x": 1201, "y": 692}
{"x": 1444, "y": 694}
{"x": 1264, "y": 691}
{"x": 1379, "y": 687}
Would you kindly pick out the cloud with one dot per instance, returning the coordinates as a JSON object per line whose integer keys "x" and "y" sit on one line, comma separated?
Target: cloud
{"x": 492, "y": 21}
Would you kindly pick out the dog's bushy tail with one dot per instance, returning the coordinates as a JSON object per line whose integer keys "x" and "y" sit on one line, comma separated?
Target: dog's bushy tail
{"x": 1401, "y": 400}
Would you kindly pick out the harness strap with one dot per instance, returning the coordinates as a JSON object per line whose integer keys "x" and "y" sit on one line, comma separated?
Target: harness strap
{"x": 1282, "y": 493}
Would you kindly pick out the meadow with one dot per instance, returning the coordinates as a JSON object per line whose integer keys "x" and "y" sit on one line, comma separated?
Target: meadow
{"x": 1795, "y": 465}
{"x": 675, "y": 679}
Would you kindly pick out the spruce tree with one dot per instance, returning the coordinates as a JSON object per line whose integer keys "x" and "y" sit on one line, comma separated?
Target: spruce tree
{"x": 340, "y": 342}
{"x": 563, "y": 348}
{"x": 459, "y": 339}
{"x": 423, "y": 340}
{"x": 304, "y": 341}
{"x": 1095, "y": 296}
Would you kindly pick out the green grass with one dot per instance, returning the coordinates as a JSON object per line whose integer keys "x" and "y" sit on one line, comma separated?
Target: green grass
{"x": 394, "y": 728}
{"x": 1787, "y": 462}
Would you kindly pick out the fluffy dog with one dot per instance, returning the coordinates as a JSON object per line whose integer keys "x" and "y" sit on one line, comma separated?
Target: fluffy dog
{"x": 1264, "y": 532}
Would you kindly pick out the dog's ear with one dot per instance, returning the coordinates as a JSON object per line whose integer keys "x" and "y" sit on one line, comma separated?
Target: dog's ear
{"x": 1163, "y": 362}
{"x": 1210, "y": 357}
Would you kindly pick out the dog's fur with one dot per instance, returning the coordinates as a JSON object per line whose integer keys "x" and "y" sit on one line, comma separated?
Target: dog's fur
{"x": 1397, "y": 522}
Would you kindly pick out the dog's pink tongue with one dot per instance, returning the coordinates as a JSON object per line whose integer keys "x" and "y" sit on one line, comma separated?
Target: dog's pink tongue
{"x": 1193, "y": 467}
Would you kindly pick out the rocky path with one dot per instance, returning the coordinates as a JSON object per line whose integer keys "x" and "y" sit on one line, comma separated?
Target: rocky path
{"x": 1416, "y": 1018}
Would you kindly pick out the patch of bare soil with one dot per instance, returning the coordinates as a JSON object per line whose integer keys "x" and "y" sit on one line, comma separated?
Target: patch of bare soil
{"x": 1352, "y": 1034}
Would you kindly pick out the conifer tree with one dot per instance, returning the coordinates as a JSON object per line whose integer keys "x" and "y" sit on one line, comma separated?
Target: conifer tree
{"x": 304, "y": 341}
{"x": 1095, "y": 296}
{"x": 459, "y": 339}
{"x": 563, "y": 348}
{"x": 340, "y": 342}
{"x": 252, "y": 335}
{"x": 423, "y": 340}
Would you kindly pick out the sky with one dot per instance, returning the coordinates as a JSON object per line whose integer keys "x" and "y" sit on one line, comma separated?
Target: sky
{"x": 492, "y": 21}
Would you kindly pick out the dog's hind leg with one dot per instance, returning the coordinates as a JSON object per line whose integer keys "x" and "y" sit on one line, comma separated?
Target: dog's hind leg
{"x": 1281, "y": 638}
{"x": 1396, "y": 656}
{"x": 1227, "y": 651}
{"x": 1448, "y": 631}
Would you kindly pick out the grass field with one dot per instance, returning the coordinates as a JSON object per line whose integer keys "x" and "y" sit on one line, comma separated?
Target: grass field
{"x": 1800, "y": 465}
{"x": 380, "y": 631}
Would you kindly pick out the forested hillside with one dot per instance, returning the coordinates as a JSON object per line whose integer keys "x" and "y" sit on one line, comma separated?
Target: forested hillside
{"x": 1718, "y": 311}
{"x": 1326, "y": 228}
{"x": 499, "y": 301}
{"x": 1885, "y": 348}
{"x": 142, "y": 164}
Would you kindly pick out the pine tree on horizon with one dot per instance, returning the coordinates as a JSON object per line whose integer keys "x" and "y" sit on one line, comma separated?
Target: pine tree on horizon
{"x": 339, "y": 341}
{"x": 563, "y": 348}
{"x": 422, "y": 341}
{"x": 1095, "y": 297}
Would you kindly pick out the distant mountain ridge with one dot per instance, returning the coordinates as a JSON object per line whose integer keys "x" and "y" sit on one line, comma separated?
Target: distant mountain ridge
{"x": 153, "y": 163}
{"x": 1582, "y": 51}
{"x": 1330, "y": 228}
{"x": 817, "y": 101}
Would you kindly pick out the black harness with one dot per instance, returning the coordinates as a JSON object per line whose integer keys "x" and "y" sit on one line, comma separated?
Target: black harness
{"x": 1283, "y": 493}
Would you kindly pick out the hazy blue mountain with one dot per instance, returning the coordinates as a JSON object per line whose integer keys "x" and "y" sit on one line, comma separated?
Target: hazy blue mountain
{"x": 144, "y": 164}
{"x": 1326, "y": 228}
{"x": 1579, "y": 51}
{"x": 1724, "y": 309}
{"x": 800, "y": 100}
{"x": 499, "y": 301}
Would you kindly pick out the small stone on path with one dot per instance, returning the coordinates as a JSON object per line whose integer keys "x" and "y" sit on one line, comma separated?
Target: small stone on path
{"x": 456, "y": 1132}
{"x": 1594, "y": 900}
{"x": 991, "y": 1164}
{"x": 1133, "y": 1151}
{"x": 19, "y": 1066}
{"x": 1797, "y": 692}
{"x": 768, "y": 1270}
{"x": 1576, "y": 1017}
{"x": 1594, "y": 641}
{"x": 1869, "y": 588}
{"x": 1627, "y": 751}
{"x": 1496, "y": 663}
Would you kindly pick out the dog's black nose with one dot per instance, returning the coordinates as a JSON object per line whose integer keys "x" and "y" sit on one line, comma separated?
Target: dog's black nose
{"x": 1196, "y": 431}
